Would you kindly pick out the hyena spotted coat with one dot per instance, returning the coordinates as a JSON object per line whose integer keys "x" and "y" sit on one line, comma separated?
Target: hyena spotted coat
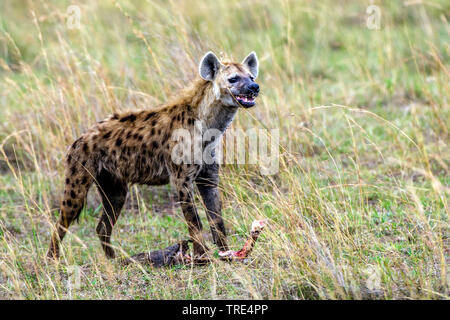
{"x": 136, "y": 147}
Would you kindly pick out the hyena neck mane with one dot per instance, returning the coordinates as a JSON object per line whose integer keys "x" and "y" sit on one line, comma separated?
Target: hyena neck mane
{"x": 204, "y": 99}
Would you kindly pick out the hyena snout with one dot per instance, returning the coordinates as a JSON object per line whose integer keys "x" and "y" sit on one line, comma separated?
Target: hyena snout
{"x": 253, "y": 88}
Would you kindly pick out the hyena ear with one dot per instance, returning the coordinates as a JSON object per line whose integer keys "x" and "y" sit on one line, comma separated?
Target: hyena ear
{"x": 251, "y": 62}
{"x": 209, "y": 66}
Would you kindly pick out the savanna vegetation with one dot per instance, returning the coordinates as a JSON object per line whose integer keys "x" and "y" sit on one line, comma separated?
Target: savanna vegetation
{"x": 359, "y": 206}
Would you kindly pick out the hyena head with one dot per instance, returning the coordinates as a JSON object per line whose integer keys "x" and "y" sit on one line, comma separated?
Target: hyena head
{"x": 234, "y": 83}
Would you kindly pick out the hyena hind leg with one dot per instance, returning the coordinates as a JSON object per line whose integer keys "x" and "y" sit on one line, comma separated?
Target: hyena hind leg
{"x": 113, "y": 193}
{"x": 75, "y": 192}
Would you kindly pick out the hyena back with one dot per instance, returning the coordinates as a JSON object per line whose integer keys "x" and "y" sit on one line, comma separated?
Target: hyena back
{"x": 136, "y": 148}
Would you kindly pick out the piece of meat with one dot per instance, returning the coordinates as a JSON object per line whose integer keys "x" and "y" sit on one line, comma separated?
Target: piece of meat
{"x": 257, "y": 227}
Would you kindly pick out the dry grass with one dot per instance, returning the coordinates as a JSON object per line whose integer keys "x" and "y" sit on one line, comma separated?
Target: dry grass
{"x": 359, "y": 207}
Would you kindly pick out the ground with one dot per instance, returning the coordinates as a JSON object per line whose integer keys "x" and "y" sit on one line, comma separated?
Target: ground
{"x": 359, "y": 206}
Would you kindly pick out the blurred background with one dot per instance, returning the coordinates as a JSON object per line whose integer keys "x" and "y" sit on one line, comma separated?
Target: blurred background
{"x": 358, "y": 89}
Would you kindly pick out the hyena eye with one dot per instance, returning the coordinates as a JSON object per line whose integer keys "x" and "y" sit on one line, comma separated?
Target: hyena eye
{"x": 233, "y": 79}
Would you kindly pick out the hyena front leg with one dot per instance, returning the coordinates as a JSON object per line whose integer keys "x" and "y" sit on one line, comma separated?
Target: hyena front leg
{"x": 182, "y": 179}
{"x": 113, "y": 193}
{"x": 207, "y": 184}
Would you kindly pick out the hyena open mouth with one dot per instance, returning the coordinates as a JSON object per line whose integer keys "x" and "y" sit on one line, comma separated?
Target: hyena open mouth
{"x": 246, "y": 101}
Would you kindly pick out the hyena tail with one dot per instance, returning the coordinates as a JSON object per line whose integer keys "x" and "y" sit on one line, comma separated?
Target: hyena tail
{"x": 79, "y": 176}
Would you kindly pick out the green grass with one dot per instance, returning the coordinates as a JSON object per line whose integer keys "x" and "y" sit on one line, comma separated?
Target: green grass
{"x": 359, "y": 207}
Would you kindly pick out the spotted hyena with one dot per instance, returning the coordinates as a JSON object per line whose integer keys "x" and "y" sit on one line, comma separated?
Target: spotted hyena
{"x": 136, "y": 147}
